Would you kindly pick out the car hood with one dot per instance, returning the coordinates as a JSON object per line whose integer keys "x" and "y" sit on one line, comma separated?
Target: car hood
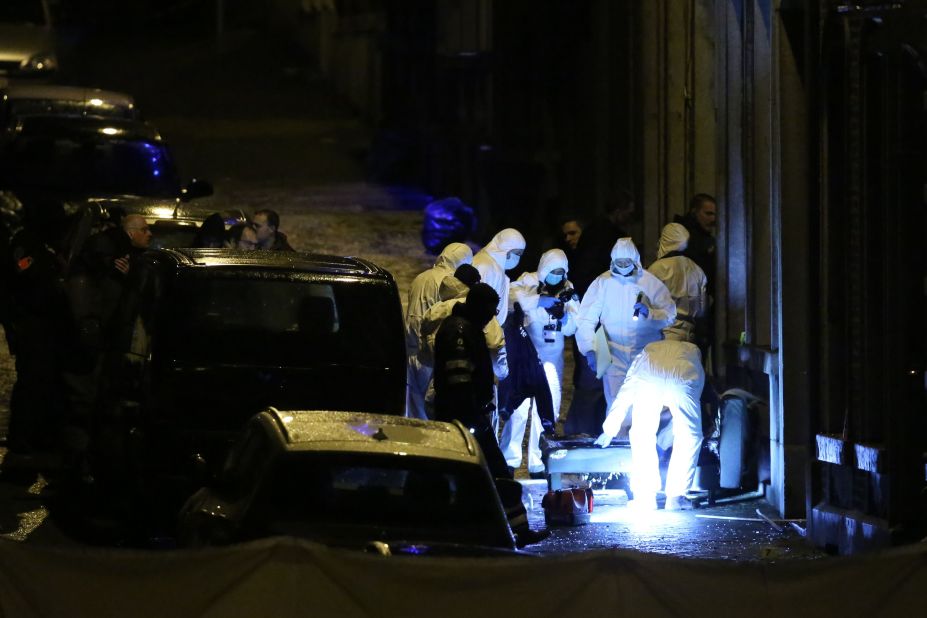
{"x": 19, "y": 41}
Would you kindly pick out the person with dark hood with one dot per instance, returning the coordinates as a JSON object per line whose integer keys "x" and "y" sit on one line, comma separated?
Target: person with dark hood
{"x": 463, "y": 373}
{"x": 463, "y": 382}
{"x": 453, "y": 291}
{"x": 211, "y": 234}
{"x": 423, "y": 293}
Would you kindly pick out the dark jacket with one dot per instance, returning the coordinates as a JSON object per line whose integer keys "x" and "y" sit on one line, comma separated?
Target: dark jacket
{"x": 95, "y": 285}
{"x": 281, "y": 243}
{"x": 463, "y": 376}
{"x": 526, "y": 373}
{"x": 701, "y": 248}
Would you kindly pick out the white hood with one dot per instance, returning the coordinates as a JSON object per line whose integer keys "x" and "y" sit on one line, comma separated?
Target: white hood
{"x": 552, "y": 260}
{"x": 453, "y": 256}
{"x": 507, "y": 240}
{"x": 625, "y": 248}
{"x": 675, "y": 237}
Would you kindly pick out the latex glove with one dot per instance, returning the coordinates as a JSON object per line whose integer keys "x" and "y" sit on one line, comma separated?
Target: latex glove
{"x": 643, "y": 311}
{"x": 547, "y": 301}
{"x": 590, "y": 360}
{"x": 603, "y": 440}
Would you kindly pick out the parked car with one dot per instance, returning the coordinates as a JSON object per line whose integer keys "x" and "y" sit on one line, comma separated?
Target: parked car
{"x": 393, "y": 486}
{"x": 27, "y": 41}
{"x": 21, "y": 100}
{"x": 68, "y": 158}
{"x": 173, "y": 226}
{"x": 209, "y": 337}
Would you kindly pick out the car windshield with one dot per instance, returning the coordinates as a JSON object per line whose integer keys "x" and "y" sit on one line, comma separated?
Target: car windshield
{"x": 357, "y": 497}
{"x": 90, "y": 166}
{"x": 22, "y": 12}
{"x": 280, "y": 319}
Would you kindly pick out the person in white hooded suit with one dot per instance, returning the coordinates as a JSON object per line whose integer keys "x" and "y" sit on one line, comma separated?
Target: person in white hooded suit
{"x": 666, "y": 373}
{"x": 502, "y": 253}
{"x": 684, "y": 279}
{"x": 633, "y": 308}
{"x": 425, "y": 292}
{"x": 548, "y": 319}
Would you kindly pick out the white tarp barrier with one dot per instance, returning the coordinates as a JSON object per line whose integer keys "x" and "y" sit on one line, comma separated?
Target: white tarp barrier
{"x": 287, "y": 577}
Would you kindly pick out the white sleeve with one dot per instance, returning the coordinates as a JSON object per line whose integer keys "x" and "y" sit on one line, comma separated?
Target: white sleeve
{"x": 662, "y": 305}
{"x": 524, "y": 291}
{"x": 495, "y": 341}
{"x": 627, "y": 394}
{"x": 590, "y": 309}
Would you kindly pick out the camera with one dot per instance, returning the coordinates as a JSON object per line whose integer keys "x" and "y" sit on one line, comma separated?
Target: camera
{"x": 567, "y": 295}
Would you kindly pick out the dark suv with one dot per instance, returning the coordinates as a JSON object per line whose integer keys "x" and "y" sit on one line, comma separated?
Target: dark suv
{"x": 209, "y": 337}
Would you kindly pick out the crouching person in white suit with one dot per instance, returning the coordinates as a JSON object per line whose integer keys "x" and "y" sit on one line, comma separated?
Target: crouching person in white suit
{"x": 665, "y": 374}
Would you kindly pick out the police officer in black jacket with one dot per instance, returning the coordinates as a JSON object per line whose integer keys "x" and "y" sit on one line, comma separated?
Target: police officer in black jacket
{"x": 463, "y": 377}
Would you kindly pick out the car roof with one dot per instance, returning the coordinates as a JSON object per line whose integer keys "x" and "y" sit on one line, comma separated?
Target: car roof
{"x": 157, "y": 210}
{"x": 91, "y": 97}
{"x": 361, "y": 432}
{"x": 290, "y": 260}
{"x": 83, "y": 126}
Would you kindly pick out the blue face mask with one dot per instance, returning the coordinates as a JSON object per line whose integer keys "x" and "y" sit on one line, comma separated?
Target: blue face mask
{"x": 511, "y": 261}
{"x": 553, "y": 279}
{"x": 623, "y": 270}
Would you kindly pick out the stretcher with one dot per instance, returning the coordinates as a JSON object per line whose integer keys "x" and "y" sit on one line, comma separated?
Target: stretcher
{"x": 579, "y": 455}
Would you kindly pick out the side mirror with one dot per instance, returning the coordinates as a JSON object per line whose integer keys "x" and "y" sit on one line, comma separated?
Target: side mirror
{"x": 196, "y": 189}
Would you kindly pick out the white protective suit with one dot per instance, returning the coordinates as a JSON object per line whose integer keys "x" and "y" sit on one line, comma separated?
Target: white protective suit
{"x": 610, "y": 301}
{"x": 666, "y": 373}
{"x": 490, "y": 261}
{"x": 684, "y": 279}
{"x": 526, "y": 291}
{"x": 454, "y": 291}
{"x": 423, "y": 293}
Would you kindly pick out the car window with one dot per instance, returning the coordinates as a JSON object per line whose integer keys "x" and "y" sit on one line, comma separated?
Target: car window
{"x": 276, "y": 321}
{"x": 22, "y": 12}
{"x": 171, "y": 235}
{"x": 91, "y": 165}
{"x": 311, "y": 493}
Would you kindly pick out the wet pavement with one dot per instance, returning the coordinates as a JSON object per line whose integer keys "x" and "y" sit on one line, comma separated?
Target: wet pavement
{"x": 270, "y": 134}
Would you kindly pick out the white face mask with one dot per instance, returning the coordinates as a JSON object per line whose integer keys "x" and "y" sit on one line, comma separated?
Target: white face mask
{"x": 553, "y": 279}
{"x": 511, "y": 260}
{"x": 623, "y": 270}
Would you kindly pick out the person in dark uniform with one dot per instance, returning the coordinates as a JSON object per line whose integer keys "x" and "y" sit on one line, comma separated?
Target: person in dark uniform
{"x": 39, "y": 330}
{"x": 463, "y": 374}
{"x": 701, "y": 221}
